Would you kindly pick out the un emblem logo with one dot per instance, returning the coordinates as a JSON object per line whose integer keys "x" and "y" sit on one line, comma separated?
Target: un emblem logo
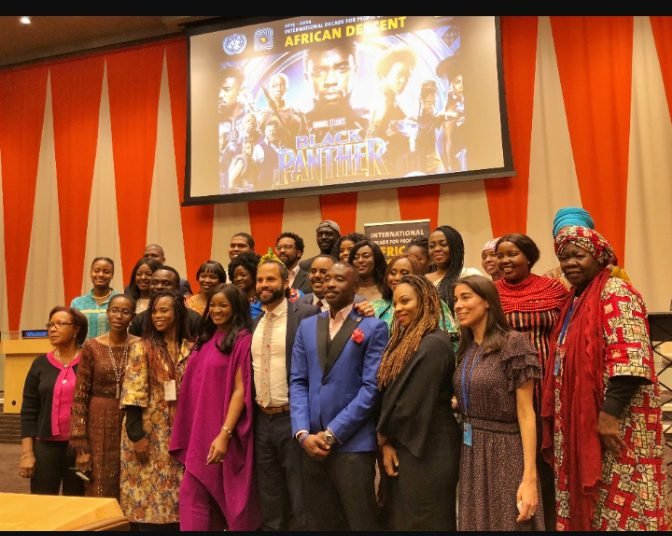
{"x": 234, "y": 44}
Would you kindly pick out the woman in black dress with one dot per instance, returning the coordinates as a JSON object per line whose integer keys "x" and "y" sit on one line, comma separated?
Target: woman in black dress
{"x": 417, "y": 432}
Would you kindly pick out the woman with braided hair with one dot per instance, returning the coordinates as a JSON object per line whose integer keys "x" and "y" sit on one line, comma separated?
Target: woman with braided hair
{"x": 150, "y": 477}
{"x": 446, "y": 251}
{"x": 417, "y": 432}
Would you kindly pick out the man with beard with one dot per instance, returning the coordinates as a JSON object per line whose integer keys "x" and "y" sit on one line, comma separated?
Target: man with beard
{"x": 277, "y": 455}
{"x": 289, "y": 248}
{"x": 327, "y": 234}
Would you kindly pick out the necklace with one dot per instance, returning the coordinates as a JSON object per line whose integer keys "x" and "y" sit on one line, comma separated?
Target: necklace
{"x": 102, "y": 298}
{"x": 57, "y": 355}
{"x": 118, "y": 367}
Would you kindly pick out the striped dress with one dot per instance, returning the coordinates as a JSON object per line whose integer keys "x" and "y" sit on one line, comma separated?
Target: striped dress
{"x": 533, "y": 307}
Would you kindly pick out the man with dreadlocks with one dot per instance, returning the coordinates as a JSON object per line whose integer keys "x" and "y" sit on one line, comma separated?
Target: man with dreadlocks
{"x": 417, "y": 432}
{"x": 333, "y": 395}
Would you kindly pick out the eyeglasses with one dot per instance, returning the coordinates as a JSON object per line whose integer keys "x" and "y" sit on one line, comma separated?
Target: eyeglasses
{"x": 58, "y": 325}
{"x": 123, "y": 312}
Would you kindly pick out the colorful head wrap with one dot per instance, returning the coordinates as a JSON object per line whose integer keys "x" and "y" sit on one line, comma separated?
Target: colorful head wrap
{"x": 571, "y": 216}
{"x": 490, "y": 244}
{"x": 588, "y": 239}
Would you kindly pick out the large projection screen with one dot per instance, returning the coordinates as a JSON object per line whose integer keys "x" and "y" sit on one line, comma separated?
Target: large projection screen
{"x": 313, "y": 105}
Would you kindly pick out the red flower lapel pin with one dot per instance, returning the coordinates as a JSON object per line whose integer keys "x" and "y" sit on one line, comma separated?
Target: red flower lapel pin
{"x": 358, "y": 336}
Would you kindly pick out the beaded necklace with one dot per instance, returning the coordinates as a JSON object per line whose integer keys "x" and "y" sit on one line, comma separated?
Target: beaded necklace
{"x": 118, "y": 367}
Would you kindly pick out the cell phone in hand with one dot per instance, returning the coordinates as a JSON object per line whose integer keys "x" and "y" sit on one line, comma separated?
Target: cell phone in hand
{"x": 84, "y": 475}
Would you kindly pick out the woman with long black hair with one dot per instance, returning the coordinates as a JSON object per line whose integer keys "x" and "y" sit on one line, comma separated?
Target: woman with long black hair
{"x": 446, "y": 251}
{"x": 212, "y": 432}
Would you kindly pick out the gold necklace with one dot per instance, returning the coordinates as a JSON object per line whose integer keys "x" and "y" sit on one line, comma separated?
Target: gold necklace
{"x": 102, "y": 298}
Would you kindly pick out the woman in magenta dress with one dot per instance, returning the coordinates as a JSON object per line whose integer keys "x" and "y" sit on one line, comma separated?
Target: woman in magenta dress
{"x": 212, "y": 431}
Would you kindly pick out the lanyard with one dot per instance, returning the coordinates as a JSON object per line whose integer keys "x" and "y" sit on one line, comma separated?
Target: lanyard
{"x": 466, "y": 384}
{"x": 565, "y": 324}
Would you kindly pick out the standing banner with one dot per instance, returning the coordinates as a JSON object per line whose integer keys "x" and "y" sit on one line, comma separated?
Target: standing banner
{"x": 392, "y": 236}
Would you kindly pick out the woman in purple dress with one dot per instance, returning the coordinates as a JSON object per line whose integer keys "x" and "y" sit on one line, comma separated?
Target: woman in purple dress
{"x": 212, "y": 431}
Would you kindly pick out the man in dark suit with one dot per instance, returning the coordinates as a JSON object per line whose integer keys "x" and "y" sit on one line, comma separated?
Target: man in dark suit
{"x": 333, "y": 396}
{"x": 277, "y": 455}
{"x": 318, "y": 270}
{"x": 289, "y": 248}
{"x": 165, "y": 278}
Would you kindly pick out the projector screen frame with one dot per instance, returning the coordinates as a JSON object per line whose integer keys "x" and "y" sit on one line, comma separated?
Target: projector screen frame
{"x": 506, "y": 170}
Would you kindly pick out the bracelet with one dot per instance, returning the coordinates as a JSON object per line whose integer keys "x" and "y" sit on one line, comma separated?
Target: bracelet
{"x": 228, "y": 430}
{"x": 27, "y": 455}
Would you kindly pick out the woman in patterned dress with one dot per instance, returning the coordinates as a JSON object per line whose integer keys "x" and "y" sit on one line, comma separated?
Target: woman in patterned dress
{"x": 601, "y": 403}
{"x": 95, "y": 436}
{"x": 531, "y": 304}
{"x": 150, "y": 476}
{"x": 499, "y": 486}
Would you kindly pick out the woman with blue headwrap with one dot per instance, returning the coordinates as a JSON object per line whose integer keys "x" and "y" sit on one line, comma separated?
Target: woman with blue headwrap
{"x": 566, "y": 217}
{"x": 601, "y": 408}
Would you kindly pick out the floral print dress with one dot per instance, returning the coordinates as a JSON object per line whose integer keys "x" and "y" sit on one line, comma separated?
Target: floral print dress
{"x": 149, "y": 492}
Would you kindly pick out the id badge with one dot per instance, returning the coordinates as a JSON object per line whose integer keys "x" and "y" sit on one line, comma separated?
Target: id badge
{"x": 169, "y": 391}
{"x": 559, "y": 358}
{"x": 467, "y": 434}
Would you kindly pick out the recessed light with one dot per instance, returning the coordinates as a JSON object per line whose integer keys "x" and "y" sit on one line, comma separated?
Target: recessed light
{"x": 24, "y": 20}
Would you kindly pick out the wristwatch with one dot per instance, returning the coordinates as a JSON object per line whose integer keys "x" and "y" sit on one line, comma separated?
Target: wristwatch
{"x": 329, "y": 437}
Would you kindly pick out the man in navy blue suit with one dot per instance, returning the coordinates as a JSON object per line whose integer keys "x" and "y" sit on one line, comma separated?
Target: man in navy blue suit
{"x": 333, "y": 399}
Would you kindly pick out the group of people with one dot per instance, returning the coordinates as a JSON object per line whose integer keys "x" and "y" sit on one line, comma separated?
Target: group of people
{"x": 344, "y": 392}
{"x": 423, "y": 140}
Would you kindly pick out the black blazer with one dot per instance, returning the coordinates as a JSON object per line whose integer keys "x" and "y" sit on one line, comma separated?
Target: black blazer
{"x": 302, "y": 283}
{"x": 296, "y": 312}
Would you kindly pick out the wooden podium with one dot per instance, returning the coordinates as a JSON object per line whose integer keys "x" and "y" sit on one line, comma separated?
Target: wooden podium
{"x": 21, "y": 511}
{"x": 19, "y": 356}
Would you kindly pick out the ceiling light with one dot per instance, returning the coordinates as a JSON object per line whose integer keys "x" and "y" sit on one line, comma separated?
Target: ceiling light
{"x": 24, "y": 20}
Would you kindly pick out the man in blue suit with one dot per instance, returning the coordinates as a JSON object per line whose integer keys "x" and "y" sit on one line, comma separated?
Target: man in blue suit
{"x": 333, "y": 400}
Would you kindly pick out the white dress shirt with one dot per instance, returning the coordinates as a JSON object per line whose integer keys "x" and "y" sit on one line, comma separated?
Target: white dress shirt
{"x": 278, "y": 367}
{"x": 336, "y": 322}
{"x": 324, "y": 306}
{"x": 293, "y": 273}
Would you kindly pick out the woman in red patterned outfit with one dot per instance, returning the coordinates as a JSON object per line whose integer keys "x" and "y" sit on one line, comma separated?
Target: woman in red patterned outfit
{"x": 601, "y": 404}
